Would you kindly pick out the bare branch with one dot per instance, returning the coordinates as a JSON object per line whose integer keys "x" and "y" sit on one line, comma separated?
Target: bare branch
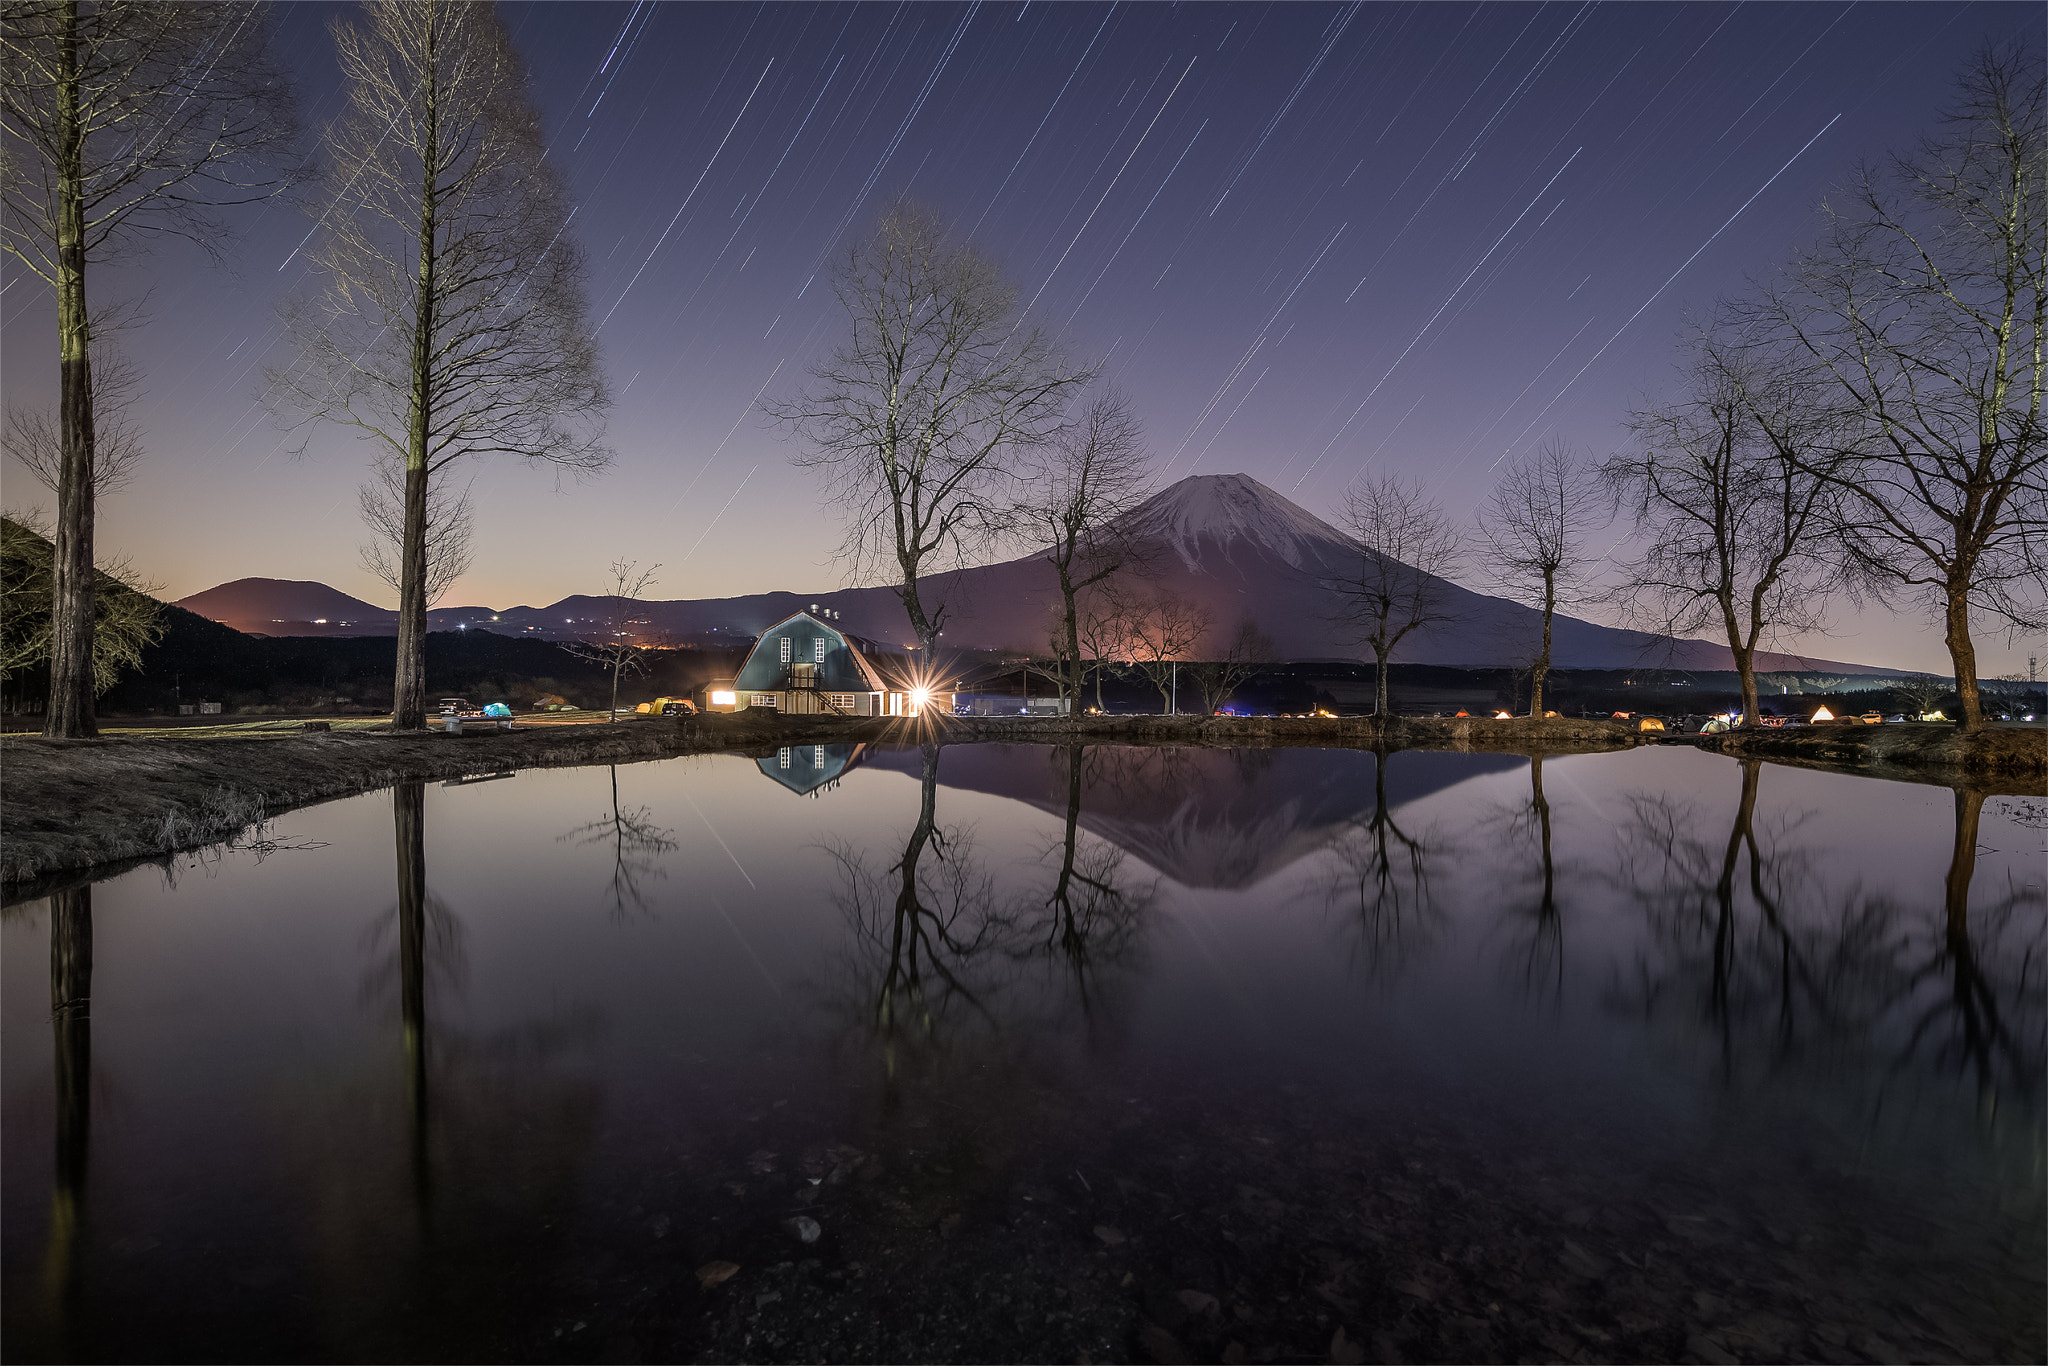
{"x": 920, "y": 418}
{"x": 1407, "y": 547}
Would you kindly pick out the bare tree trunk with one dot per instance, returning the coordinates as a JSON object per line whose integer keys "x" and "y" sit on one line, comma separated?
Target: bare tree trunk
{"x": 1962, "y": 651}
{"x": 409, "y": 814}
{"x": 1379, "y": 703}
{"x": 72, "y": 709}
{"x": 1542, "y": 669}
{"x": 1745, "y": 669}
{"x": 1077, "y": 674}
{"x": 921, "y": 623}
{"x": 409, "y": 685}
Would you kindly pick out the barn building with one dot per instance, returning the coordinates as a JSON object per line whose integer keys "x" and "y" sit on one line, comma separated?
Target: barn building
{"x": 806, "y": 667}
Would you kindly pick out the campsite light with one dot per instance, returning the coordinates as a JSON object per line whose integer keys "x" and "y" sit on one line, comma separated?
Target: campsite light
{"x": 920, "y": 696}
{"x": 1503, "y": 716}
{"x": 1823, "y": 715}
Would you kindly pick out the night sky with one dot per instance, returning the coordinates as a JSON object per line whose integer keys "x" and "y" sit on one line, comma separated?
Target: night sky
{"x": 1310, "y": 241}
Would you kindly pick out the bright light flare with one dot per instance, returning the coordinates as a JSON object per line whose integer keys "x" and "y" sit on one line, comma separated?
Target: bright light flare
{"x": 725, "y": 699}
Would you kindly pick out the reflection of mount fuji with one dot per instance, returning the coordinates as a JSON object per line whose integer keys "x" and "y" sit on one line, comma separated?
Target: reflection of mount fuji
{"x": 1204, "y": 817}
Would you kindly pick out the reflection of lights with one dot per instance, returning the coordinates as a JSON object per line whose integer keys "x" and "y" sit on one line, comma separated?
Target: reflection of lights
{"x": 724, "y": 699}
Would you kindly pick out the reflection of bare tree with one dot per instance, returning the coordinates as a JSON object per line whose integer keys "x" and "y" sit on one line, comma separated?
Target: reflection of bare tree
{"x": 429, "y": 941}
{"x": 922, "y": 929}
{"x": 1091, "y": 920}
{"x": 1776, "y": 965}
{"x": 71, "y": 1019}
{"x": 636, "y": 844}
{"x": 1758, "y": 969}
{"x": 1988, "y": 1018}
{"x": 1534, "y": 915}
{"x": 1382, "y": 876}
{"x": 425, "y": 1208}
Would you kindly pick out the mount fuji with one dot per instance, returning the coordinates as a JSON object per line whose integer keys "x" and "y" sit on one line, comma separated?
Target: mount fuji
{"x": 1227, "y": 542}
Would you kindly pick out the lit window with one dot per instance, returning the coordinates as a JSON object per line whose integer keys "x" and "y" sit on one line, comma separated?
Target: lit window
{"x": 785, "y": 649}
{"x": 817, "y": 756}
{"x": 783, "y": 757}
{"x": 818, "y": 650}
{"x": 724, "y": 699}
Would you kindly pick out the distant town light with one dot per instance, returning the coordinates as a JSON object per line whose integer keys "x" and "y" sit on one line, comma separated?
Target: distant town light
{"x": 319, "y": 621}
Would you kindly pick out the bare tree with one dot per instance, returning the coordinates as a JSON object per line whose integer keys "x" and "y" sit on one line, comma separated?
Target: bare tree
{"x": 452, "y": 322}
{"x": 1217, "y": 680}
{"x": 450, "y": 527}
{"x": 122, "y": 121}
{"x": 1164, "y": 629}
{"x": 1729, "y": 507}
{"x": 620, "y": 651}
{"x": 1406, "y": 545}
{"x": 1533, "y": 532}
{"x": 918, "y": 418}
{"x": 1089, "y": 478}
{"x": 1923, "y": 307}
{"x": 1104, "y": 628}
{"x": 35, "y": 436}
{"x": 1918, "y": 696}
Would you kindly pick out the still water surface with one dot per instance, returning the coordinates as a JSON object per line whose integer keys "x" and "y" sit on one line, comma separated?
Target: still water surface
{"x": 1110, "y": 1053}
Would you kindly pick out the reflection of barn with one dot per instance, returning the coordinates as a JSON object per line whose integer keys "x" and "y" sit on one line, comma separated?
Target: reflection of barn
{"x": 808, "y": 668}
{"x": 808, "y": 770}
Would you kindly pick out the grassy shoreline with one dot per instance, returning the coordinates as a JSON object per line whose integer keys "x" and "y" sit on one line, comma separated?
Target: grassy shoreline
{"x": 77, "y": 810}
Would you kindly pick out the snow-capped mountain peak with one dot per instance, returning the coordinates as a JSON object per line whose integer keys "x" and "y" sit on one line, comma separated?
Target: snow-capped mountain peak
{"x": 1228, "y": 508}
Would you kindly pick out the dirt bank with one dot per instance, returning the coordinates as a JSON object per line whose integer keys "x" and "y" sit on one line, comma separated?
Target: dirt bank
{"x": 2011, "y": 759}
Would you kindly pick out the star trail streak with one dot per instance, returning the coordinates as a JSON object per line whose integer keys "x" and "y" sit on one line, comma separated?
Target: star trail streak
{"x": 1287, "y": 223}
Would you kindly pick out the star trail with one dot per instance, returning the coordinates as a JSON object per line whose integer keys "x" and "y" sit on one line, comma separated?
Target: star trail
{"x": 1312, "y": 240}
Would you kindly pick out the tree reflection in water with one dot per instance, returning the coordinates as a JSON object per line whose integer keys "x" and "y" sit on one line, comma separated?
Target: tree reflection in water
{"x": 923, "y": 931}
{"x": 1780, "y": 968}
{"x": 1382, "y": 879}
{"x": 429, "y": 942}
{"x": 1091, "y": 919}
{"x": 636, "y": 844}
{"x": 486, "y": 1165}
{"x": 1531, "y": 909}
{"x": 71, "y": 1023}
{"x": 1990, "y": 1015}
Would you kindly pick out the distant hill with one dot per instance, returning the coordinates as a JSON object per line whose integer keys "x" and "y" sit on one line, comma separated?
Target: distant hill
{"x": 286, "y": 607}
{"x": 1225, "y": 541}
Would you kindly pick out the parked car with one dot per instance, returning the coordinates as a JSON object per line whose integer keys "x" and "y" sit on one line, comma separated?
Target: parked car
{"x": 456, "y": 706}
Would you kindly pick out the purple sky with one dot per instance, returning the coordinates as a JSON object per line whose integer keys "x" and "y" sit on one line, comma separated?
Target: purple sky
{"x": 1311, "y": 240}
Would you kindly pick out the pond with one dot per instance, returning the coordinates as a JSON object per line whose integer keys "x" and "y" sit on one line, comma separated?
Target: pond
{"x": 1013, "y": 1053}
